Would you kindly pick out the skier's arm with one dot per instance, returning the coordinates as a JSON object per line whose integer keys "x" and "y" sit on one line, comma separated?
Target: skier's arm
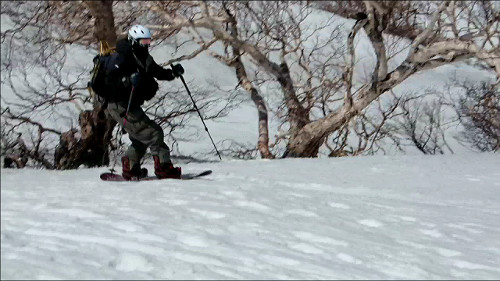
{"x": 161, "y": 73}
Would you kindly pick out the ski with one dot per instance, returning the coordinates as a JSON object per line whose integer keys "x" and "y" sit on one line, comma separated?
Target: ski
{"x": 189, "y": 176}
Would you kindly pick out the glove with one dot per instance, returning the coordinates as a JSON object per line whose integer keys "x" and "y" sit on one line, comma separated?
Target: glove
{"x": 177, "y": 70}
{"x": 134, "y": 79}
{"x": 131, "y": 81}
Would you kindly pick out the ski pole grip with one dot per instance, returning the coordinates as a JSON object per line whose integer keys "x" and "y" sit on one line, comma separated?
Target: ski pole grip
{"x": 174, "y": 71}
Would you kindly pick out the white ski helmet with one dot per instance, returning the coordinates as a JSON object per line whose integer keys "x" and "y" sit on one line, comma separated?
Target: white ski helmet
{"x": 138, "y": 32}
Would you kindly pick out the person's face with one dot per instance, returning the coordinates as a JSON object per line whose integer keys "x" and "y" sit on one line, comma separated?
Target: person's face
{"x": 145, "y": 42}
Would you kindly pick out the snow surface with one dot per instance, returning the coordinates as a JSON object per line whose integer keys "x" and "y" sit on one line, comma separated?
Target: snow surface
{"x": 379, "y": 217}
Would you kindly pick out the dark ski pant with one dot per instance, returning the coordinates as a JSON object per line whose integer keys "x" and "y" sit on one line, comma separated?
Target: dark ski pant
{"x": 143, "y": 133}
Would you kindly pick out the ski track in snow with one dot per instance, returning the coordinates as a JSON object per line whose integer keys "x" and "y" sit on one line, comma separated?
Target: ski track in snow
{"x": 410, "y": 218}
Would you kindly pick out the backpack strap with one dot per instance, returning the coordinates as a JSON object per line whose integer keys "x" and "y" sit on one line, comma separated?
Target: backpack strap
{"x": 149, "y": 60}
{"x": 106, "y": 49}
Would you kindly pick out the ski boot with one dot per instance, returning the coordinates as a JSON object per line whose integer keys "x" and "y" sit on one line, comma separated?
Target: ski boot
{"x": 132, "y": 173}
{"x": 166, "y": 170}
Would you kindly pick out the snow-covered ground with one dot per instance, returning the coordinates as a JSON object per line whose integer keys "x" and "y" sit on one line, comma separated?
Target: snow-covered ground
{"x": 380, "y": 217}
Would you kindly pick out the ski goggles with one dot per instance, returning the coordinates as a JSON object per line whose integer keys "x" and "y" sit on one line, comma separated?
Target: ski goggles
{"x": 145, "y": 42}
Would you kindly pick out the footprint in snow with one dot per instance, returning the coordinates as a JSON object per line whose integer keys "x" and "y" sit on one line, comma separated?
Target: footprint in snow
{"x": 473, "y": 179}
{"x": 173, "y": 202}
{"x": 310, "y": 237}
{"x": 253, "y": 205}
{"x": 306, "y": 248}
{"x": 208, "y": 214}
{"x": 339, "y": 206}
{"x": 371, "y": 223}
{"x": 128, "y": 227}
{"x": 447, "y": 252}
{"x": 431, "y": 232}
{"x": 194, "y": 241}
{"x": 405, "y": 218}
{"x": 301, "y": 212}
{"x": 128, "y": 262}
{"x": 279, "y": 261}
{"x": 471, "y": 228}
{"x": 349, "y": 258}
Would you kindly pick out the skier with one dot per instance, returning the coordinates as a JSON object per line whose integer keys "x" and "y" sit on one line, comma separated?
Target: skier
{"x": 133, "y": 82}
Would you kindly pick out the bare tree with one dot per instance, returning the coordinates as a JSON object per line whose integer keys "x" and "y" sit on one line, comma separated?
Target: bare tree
{"x": 322, "y": 102}
{"x": 235, "y": 61}
{"x": 370, "y": 132}
{"x": 479, "y": 113}
{"x": 14, "y": 152}
{"x": 266, "y": 31}
{"x": 403, "y": 21}
{"x": 41, "y": 31}
{"x": 435, "y": 45}
{"x": 35, "y": 69}
{"x": 422, "y": 124}
{"x": 425, "y": 52}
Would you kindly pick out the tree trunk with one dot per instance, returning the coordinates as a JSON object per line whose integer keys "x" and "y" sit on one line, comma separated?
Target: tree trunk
{"x": 298, "y": 116}
{"x": 309, "y": 139}
{"x": 91, "y": 147}
{"x": 104, "y": 24}
{"x": 263, "y": 142}
{"x": 241, "y": 74}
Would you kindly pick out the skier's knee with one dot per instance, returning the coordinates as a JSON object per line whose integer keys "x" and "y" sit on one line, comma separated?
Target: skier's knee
{"x": 158, "y": 136}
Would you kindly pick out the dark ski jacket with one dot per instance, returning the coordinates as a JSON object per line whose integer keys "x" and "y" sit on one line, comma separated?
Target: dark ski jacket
{"x": 131, "y": 61}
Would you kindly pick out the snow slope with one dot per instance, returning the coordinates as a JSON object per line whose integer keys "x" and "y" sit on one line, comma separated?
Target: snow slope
{"x": 380, "y": 217}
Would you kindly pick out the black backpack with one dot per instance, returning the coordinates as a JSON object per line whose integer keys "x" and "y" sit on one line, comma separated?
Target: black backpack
{"x": 103, "y": 64}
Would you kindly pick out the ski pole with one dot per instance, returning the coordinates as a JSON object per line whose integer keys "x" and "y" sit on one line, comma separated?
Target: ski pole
{"x": 196, "y": 108}
{"x": 128, "y": 107}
